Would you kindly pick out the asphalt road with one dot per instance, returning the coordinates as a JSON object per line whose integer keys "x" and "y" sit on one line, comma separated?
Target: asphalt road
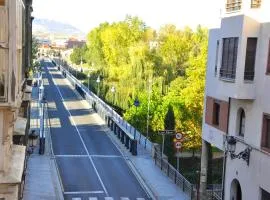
{"x": 90, "y": 165}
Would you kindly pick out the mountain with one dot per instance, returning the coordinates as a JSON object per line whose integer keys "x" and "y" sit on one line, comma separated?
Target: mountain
{"x": 54, "y": 27}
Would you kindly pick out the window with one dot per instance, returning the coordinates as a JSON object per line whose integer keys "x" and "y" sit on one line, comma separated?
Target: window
{"x": 255, "y": 3}
{"x": 216, "y": 112}
{"x": 233, "y": 5}
{"x": 266, "y": 132}
{"x": 216, "y": 61}
{"x": 265, "y": 195}
{"x": 250, "y": 58}
{"x": 242, "y": 121}
{"x": 2, "y": 2}
{"x": 229, "y": 58}
{"x": 268, "y": 61}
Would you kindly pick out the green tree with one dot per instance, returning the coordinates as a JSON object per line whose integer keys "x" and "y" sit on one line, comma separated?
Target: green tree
{"x": 79, "y": 55}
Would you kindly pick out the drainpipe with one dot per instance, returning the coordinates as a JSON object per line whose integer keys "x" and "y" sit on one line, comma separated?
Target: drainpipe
{"x": 225, "y": 153}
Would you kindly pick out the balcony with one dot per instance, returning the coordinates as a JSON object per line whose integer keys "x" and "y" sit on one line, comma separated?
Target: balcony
{"x": 233, "y": 5}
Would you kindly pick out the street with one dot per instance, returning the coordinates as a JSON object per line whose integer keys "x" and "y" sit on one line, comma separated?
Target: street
{"x": 89, "y": 164}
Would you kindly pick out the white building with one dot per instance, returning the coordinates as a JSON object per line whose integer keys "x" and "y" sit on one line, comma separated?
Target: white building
{"x": 237, "y": 99}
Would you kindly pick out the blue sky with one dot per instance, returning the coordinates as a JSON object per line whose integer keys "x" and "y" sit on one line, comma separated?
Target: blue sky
{"x": 87, "y": 14}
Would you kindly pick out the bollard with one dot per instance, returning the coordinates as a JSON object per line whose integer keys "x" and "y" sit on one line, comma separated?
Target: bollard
{"x": 127, "y": 142}
{"x": 122, "y": 137}
{"x": 41, "y": 146}
{"x": 134, "y": 147}
{"x": 114, "y": 128}
{"x": 111, "y": 125}
{"x": 119, "y": 133}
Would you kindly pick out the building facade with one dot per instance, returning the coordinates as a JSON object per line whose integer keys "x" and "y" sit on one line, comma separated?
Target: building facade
{"x": 237, "y": 100}
{"x": 15, "y": 56}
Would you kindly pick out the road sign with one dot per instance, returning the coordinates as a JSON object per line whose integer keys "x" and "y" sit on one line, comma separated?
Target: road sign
{"x": 166, "y": 132}
{"x": 178, "y": 145}
{"x": 178, "y": 136}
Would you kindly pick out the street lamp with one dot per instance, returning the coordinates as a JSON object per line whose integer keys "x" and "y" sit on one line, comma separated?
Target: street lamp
{"x": 113, "y": 92}
{"x": 88, "y": 76}
{"x": 231, "y": 146}
{"x": 148, "y": 110}
{"x": 98, "y": 81}
{"x": 136, "y": 104}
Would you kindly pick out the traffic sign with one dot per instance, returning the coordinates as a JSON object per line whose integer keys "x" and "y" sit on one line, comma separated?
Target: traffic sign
{"x": 166, "y": 132}
{"x": 178, "y": 145}
{"x": 178, "y": 136}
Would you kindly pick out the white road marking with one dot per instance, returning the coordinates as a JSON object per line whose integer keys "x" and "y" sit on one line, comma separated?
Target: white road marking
{"x": 70, "y": 156}
{"x": 108, "y": 198}
{"x": 91, "y": 160}
{"x": 140, "y": 198}
{"x": 93, "y": 198}
{"x": 106, "y": 156}
{"x": 124, "y": 198}
{"x": 76, "y": 198}
{"x": 85, "y": 192}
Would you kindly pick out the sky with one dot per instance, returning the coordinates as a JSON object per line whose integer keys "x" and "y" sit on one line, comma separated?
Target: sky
{"x": 88, "y": 14}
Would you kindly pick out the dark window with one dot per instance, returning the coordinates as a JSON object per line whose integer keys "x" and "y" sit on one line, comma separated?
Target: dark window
{"x": 229, "y": 58}
{"x": 265, "y": 195}
{"x": 268, "y": 61}
{"x": 216, "y": 61}
{"x": 216, "y": 113}
{"x": 266, "y": 132}
{"x": 242, "y": 123}
{"x": 255, "y": 3}
{"x": 250, "y": 58}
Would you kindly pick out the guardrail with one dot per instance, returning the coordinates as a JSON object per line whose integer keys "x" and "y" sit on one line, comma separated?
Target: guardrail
{"x": 105, "y": 110}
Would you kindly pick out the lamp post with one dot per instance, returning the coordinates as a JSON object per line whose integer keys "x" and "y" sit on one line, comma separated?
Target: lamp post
{"x": 113, "y": 92}
{"x": 148, "y": 110}
{"x": 98, "y": 82}
{"x": 136, "y": 104}
{"x": 88, "y": 76}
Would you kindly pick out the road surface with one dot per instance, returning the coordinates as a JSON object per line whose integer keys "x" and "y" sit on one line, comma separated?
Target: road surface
{"x": 90, "y": 165}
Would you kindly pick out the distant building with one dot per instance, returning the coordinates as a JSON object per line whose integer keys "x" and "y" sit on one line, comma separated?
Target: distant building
{"x": 237, "y": 100}
{"x": 73, "y": 43}
{"x": 15, "y": 59}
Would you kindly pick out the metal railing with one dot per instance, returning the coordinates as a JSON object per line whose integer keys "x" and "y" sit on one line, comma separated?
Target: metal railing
{"x": 249, "y": 75}
{"x": 174, "y": 175}
{"x": 228, "y": 74}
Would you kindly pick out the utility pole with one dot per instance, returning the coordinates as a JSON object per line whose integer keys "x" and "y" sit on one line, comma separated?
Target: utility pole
{"x": 204, "y": 168}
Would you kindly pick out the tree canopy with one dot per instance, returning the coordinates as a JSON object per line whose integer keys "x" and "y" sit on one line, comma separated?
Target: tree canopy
{"x": 166, "y": 67}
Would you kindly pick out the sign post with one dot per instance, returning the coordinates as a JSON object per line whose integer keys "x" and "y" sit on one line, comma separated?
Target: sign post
{"x": 163, "y": 133}
{"x": 178, "y": 145}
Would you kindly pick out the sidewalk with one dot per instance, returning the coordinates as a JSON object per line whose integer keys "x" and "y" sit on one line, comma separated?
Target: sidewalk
{"x": 42, "y": 181}
{"x": 150, "y": 176}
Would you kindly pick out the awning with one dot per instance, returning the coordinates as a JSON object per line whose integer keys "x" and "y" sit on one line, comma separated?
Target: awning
{"x": 20, "y": 126}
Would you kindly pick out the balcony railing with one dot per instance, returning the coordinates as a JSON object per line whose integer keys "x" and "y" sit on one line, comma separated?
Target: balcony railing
{"x": 249, "y": 75}
{"x": 227, "y": 74}
{"x": 233, "y": 5}
{"x": 256, "y": 3}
